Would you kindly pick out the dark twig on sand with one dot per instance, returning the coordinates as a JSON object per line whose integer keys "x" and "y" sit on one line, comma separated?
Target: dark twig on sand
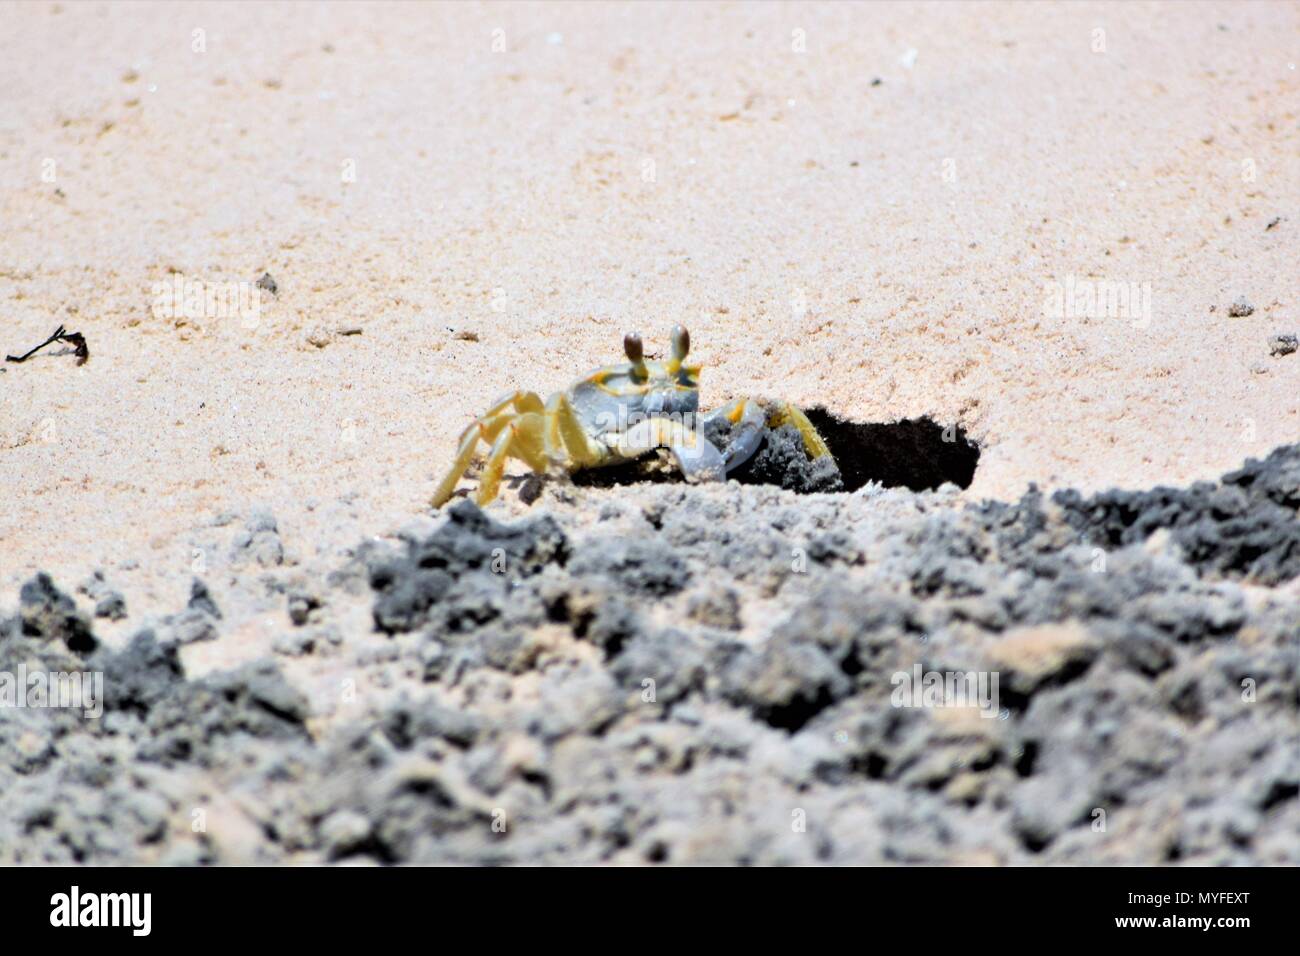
{"x": 75, "y": 339}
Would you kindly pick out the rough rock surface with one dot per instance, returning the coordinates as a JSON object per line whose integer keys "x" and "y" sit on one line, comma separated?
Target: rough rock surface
{"x": 780, "y": 460}
{"x": 662, "y": 673}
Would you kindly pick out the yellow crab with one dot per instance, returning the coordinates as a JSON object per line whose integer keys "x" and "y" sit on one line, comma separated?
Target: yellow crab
{"x": 616, "y": 414}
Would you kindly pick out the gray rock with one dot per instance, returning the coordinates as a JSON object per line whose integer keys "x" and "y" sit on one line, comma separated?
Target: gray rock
{"x": 141, "y": 675}
{"x": 49, "y": 614}
{"x": 645, "y": 677}
{"x": 201, "y": 600}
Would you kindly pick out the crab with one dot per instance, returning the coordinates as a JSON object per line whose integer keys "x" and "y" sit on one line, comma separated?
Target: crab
{"x": 618, "y": 414}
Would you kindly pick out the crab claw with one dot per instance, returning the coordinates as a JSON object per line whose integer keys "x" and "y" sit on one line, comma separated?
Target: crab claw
{"x": 700, "y": 460}
{"x": 697, "y": 458}
{"x": 748, "y": 435}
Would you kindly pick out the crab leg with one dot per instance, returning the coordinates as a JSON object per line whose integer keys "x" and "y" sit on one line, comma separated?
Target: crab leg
{"x": 565, "y": 433}
{"x": 782, "y": 413}
{"x": 486, "y": 427}
{"x": 464, "y": 455}
{"x": 520, "y": 401}
{"x": 523, "y": 438}
{"x": 697, "y": 457}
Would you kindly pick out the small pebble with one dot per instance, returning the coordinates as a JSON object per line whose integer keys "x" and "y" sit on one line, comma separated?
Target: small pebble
{"x": 1241, "y": 308}
{"x": 111, "y": 605}
{"x": 1280, "y": 345}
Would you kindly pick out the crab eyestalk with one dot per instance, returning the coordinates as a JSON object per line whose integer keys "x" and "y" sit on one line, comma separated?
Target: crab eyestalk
{"x": 681, "y": 341}
{"x": 635, "y": 354}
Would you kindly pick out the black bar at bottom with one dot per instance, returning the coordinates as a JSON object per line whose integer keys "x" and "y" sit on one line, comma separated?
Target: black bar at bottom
{"x": 336, "y": 905}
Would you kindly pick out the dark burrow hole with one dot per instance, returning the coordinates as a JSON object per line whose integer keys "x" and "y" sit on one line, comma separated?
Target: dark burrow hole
{"x": 916, "y": 453}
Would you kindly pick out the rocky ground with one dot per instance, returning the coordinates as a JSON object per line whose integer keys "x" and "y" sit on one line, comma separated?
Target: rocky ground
{"x": 658, "y": 673}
